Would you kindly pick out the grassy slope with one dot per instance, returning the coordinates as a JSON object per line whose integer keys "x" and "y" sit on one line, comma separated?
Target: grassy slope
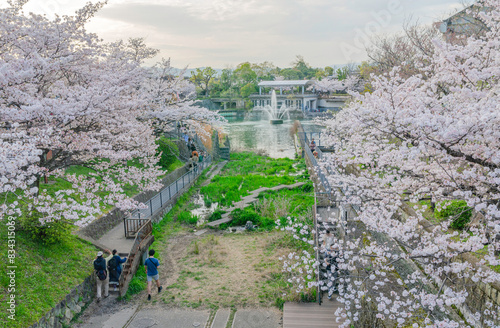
{"x": 44, "y": 275}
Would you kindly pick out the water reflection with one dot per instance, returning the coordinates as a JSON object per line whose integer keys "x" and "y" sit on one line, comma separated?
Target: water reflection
{"x": 275, "y": 140}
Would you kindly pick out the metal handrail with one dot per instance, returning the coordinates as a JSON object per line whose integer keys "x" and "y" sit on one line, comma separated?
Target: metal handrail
{"x": 316, "y": 244}
{"x": 319, "y": 171}
{"x": 156, "y": 202}
{"x": 144, "y": 232}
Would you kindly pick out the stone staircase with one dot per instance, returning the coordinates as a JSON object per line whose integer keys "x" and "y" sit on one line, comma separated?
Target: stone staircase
{"x": 324, "y": 224}
{"x": 114, "y": 288}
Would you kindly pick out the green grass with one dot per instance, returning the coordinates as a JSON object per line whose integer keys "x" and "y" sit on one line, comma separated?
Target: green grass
{"x": 245, "y": 163}
{"x": 247, "y": 172}
{"x": 45, "y": 274}
{"x": 137, "y": 284}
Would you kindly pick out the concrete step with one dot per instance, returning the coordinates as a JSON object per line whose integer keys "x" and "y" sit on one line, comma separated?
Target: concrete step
{"x": 219, "y": 222}
{"x": 200, "y": 232}
{"x": 221, "y": 317}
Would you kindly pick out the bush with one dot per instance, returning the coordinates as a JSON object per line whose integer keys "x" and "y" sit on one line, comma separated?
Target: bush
{"x": 216, "y": 215}
{"x": 457, "y": 211}
{"x": 187, "y": 217}
{"x": 169, "y": 152}
{"x": 242, "y": 216}
{"x": 48, "y": 233}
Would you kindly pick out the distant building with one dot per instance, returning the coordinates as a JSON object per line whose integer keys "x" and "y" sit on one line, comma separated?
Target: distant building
{"x": 464, "y": 23}
{"x": 293, "y": 94}
{"x": 298, "y": 95}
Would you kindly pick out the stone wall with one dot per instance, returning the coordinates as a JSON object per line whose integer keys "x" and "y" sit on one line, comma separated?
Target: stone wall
{"x": 101, "y": 226}
{"x": 71, "y": 305}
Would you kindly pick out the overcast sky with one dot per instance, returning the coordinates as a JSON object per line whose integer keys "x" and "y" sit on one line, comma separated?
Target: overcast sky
{"x": 223, "y": 33}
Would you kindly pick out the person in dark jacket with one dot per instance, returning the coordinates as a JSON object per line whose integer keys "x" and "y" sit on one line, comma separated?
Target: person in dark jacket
{"x": 118, "y": 263}
{"x": 100, "y": 267}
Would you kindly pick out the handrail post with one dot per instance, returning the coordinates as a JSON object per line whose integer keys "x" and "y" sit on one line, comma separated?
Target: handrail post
{"x": 151, "y": 205}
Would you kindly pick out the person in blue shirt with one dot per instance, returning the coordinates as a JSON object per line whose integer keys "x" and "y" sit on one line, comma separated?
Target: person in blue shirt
{"x": 151, "y": 266}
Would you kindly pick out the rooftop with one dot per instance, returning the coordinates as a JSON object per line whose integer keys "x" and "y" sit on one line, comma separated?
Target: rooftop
{"x": 288, "y": 83}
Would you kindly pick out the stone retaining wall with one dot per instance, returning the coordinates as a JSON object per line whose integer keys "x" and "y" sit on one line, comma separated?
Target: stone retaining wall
{"x": 71, "y": 305}
{"x": 101, "y": 226}
{"x": 479, "y": 293}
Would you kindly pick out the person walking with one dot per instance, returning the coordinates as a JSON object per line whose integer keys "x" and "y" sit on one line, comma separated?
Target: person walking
{"x": 312, "y": 145}
{"x": 328, "y": 239}
{"x": 102, "y": 276}
{"x": 195, "y": 161}
{"x": 116, "y": 263}
{"x": 151, "y": 266}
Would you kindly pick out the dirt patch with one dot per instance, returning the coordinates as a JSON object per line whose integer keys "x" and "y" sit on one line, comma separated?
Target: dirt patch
{"x": 222, "y": 270}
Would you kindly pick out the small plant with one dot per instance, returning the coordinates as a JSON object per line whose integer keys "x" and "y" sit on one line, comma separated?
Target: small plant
{"x": 187, "y": 217}
{"x": 196, "y": 249}
{"x": 216, "y": 215}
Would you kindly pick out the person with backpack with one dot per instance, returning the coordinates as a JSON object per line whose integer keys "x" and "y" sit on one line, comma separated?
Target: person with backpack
{"x": 312, "y": 145}
{"x": 151, "y": 266}
{"x": 115, "y": 267}
{"x": 102, "y": 277}
{"x": 195, "y": 160}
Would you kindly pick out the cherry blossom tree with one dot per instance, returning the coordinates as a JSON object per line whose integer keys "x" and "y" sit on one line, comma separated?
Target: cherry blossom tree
{"x": 67, "y": 98}
{"x": 431, "y": 136}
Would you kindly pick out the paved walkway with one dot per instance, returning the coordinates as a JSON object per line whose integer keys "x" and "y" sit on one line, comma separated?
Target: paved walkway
{"x": 149, "y": 315}
{"x": 301, "y": 315}
{"x": 115, "y": 239}
{"x": 247, "y": 200}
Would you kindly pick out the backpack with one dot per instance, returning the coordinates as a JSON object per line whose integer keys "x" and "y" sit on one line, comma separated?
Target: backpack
{"x": 112, "y": 264}
{"x": 102, "y": 274}
{"x": 100, "y": 269}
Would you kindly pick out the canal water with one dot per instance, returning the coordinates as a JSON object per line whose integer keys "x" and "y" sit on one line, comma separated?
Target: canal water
{"x": 260, "y": 135}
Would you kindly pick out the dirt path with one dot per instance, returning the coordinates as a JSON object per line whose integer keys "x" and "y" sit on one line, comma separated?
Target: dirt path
{"x": 221, "y": 270}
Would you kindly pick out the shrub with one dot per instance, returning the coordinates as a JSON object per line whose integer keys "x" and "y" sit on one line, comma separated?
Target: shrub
{"x": 49, "y": 232}
{"x": 216, "y": 215}
{"x": 457, "y": 211}
{"x": 187, "y": 217}
{"x": 242, "y": 216}
{"x": 169, "y": 152}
